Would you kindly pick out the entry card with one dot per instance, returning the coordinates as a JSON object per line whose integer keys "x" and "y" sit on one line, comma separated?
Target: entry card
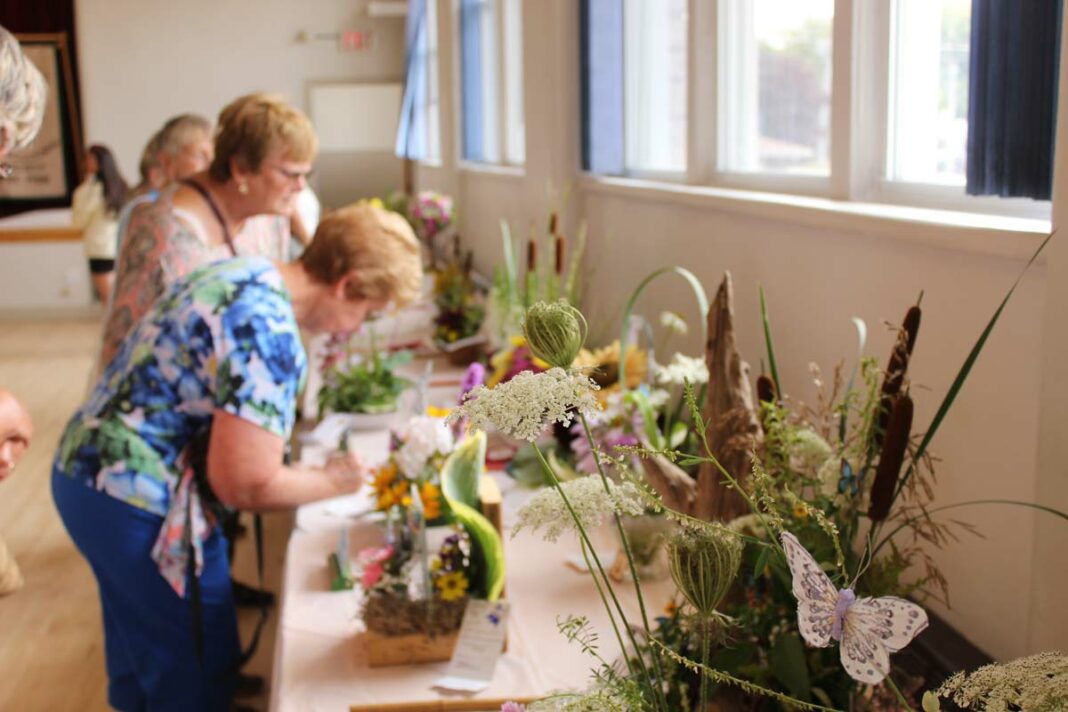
{"x": 478, "y": 646}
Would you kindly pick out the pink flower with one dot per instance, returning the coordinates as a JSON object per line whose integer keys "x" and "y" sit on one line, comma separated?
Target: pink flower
{"x": 371, "y": 575}
{"x": 512, "y": 707}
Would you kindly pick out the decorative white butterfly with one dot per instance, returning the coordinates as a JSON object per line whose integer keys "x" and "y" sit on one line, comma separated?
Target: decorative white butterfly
{"x": 867, "y": 629}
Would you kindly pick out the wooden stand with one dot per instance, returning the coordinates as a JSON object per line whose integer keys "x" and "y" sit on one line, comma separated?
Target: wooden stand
{"x": 386, "y": 650}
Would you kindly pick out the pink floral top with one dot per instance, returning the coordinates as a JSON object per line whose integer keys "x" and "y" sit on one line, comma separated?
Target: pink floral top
{"x": 163, "y": 243}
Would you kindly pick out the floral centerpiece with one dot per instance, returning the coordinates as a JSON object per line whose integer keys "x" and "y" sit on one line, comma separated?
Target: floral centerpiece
{"x": 415, "y": 592}
{"x": 357, "y": 383}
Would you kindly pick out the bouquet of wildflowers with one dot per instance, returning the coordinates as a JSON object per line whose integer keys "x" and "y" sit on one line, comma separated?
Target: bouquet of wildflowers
{"x": 459, "y": 303}
{"x": 429, "y": 213}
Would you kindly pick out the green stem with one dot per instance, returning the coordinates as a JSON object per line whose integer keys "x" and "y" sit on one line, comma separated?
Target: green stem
{"x": 630, "y": 557}
{"x": 608, "y": 609}
{"x": 596, "y": 560}
{"x": 704, "y": 663}
{"x": 900, "y": 697}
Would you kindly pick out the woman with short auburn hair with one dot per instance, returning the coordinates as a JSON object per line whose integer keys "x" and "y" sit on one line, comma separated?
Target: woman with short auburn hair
{"x": 191, "y": 419}
{"x": 240, "y": 205}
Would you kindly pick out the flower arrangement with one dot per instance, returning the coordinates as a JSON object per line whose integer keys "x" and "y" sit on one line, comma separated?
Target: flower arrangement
{"x": 418, "y": 450}
{"x": 354, "y": 383}
{"x": 811, "y": 559}
{"x": 428, "y": 480}
{"x": 429, "y": 213}
{"x": 459, "y": 303}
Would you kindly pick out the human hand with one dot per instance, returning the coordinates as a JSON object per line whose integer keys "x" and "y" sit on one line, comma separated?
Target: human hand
{"x": 347, "y": 471}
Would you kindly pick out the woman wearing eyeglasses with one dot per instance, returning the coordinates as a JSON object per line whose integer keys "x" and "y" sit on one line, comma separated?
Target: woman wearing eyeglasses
{"x": 239, "y": 206}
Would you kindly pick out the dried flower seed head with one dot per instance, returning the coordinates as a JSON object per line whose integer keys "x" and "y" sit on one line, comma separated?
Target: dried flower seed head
{"x": 555, "y": 332}
{"x": 704, "y": 563}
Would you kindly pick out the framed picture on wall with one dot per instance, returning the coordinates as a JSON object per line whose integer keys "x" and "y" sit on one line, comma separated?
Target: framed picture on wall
{"x": 42, "y": 170}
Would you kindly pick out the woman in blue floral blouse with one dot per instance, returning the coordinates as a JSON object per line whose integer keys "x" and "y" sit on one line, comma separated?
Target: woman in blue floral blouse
{"x": 192, "y": 414}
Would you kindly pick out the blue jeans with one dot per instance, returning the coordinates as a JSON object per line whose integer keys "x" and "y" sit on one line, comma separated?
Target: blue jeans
{"x": 152, "y": 662}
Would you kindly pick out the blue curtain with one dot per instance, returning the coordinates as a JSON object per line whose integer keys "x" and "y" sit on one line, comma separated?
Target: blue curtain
{"x": 411, "y": 129}
{"x": 471, "y": 78}
{"x": 1012, "y": 100}
{"x": 601, "y": 50}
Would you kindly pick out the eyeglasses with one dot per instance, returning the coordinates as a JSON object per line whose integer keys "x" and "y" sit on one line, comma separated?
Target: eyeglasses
{"x": 293, "y": 175}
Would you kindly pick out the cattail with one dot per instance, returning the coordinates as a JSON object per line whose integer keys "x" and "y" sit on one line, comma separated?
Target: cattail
{"x": 895, "y": 371}
{"x": 765, "y": 389}
{"x": 552, "y": 223}
{"x": 532, "y": 255}
{"x": 895, "y": 447}
{"x": 704, "y": 563}
{"x": 559, "y": 254}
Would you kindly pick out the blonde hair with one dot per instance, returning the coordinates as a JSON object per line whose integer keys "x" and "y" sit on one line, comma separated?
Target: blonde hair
{"x": 22, "y": 96}
{"x": 377, "y": 245}
{"x": 252, "y": 126}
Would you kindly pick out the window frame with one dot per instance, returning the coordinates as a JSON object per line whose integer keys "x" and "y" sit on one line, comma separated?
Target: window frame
{"x": 859, "y": 122}
{"x": 498, "y": 85}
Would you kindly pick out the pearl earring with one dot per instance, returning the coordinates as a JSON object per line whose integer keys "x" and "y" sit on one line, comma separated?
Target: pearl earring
{"x": 242, "y": 188}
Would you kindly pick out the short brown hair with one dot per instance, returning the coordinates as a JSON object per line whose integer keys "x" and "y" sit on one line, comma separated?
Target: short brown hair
{"x": 252, "y": 126}
{"x": 377, "y": 244}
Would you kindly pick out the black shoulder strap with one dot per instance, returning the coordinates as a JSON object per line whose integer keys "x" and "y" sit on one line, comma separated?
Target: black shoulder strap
{"x": 214, "y": 211}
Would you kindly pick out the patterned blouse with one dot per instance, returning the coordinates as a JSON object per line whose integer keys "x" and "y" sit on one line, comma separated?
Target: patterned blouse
{"x": 162, "y": 243}
{"x": 223, "y": 337}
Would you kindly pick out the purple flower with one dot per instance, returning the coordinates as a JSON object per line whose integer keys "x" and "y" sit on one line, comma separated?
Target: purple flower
{"x": 512, "y": 707}
{"x": 474, "y": 376}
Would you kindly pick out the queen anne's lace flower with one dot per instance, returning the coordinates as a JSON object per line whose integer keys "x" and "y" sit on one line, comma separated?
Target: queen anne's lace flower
{"x": 524, "y": 406}
{"x": 682, "y": 369}
{"x": 673, "y": 322}
{"x": 422, "y": 438}
{"x": 592, "y": 504}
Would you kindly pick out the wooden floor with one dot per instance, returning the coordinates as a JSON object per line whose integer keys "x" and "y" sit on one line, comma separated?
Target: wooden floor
{"x": 51, "y": 641}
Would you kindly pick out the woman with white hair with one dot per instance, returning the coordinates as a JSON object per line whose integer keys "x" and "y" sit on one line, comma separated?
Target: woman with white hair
{"x": 22, "y": 99}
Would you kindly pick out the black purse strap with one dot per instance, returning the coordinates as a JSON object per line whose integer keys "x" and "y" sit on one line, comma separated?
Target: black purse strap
{"x": 214, "y": 211}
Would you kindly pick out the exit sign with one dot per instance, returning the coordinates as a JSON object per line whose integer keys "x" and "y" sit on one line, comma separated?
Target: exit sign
{"x": 356, "y": 40}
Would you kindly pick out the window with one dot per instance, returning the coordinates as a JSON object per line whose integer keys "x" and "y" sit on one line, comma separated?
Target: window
{"x": 654, "y": 75}
{"x": 418, "y": 129}
{"x": 776, "y": 86}
{"x": 845, "y": 99}
{"x": 432, "y": 124}
{"x": 491, "y": 83}
{"x": 927, "y": 129}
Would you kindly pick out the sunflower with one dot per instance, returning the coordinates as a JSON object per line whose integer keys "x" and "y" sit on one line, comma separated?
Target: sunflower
{"x": 430, "y": 496}
{"x": 453, "y": 586}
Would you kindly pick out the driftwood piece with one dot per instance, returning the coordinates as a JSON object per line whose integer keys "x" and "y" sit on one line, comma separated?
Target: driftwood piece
{"x": 675, "y": 487}
{"x": 733, "y": 427}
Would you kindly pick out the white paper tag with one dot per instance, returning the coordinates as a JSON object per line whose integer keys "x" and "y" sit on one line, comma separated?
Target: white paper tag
{"x": 478, "y": 646}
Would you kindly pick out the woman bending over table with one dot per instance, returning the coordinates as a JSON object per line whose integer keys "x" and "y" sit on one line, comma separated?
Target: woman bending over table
{"x": 192, "y": 416}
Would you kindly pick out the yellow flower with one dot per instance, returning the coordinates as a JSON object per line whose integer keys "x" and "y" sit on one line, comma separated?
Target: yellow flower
{"x": 671, "y": 608}
{"x": 435, "y": 412}
{"x": 383, "y": 477}
{"x": 453, "y": 586}
{"x": 430, "y": 496}
{"x": 800, "y": 510}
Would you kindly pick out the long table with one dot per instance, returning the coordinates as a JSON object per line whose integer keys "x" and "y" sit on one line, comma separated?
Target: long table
{"x": 320, "y": 662}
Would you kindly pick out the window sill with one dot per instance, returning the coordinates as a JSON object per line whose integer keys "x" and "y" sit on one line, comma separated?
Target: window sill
{"x": 492, "y": 169}
{"x": 998, "y": 236}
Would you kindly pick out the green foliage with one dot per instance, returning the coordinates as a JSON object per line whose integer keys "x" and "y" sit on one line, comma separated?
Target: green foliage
{"x": 370, "y": 386}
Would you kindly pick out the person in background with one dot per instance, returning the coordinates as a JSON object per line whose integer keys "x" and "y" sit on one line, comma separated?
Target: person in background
{"x": 23, "y": 94}
{"x": 150, "y": 172}
{"x": 94, "y": 210}
{"x": 191, "y": 416}
{"x": 181, "y": 148}
{"x": 16, "y": 431}
{"x": 263, "y": 154}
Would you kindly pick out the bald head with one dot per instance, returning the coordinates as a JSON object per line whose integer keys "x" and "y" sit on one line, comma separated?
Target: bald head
{"x": 16, "y": 430}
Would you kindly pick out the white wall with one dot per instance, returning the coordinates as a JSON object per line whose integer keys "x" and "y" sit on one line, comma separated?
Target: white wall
{"x": 819, "y": 271}
{"x": 143, "y": 62}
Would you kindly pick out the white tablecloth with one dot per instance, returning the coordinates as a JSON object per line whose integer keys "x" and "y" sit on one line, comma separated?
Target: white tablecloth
{"x": 319, "y": 660}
